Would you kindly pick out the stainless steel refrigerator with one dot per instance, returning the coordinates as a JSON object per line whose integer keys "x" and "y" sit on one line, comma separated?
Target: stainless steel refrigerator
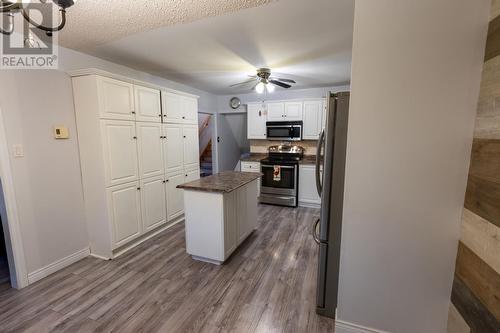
{"x": 327, "y": 230}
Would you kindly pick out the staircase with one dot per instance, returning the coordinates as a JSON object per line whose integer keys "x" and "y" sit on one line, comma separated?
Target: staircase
{"x": 206, "y": 161}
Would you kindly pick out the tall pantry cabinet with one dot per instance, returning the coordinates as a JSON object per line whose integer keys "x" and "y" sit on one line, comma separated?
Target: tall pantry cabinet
{"x": 137, "y": 143}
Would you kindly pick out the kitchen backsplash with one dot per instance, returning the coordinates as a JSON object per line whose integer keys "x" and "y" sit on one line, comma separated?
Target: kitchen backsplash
{"x": 260, "y": 146}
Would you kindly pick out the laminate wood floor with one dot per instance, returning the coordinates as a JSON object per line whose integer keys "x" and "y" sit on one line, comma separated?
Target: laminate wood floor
{"x": 268, "y": 285}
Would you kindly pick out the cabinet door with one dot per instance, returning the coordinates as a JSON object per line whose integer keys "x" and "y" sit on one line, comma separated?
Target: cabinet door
{"x": 192, "y": 175}
{"x": 116, "y": 99}
{"x": 191, "y": 147}
{"x": 153, "y": 203}
{"x": 175, "y": 196}
{"x": 243, "y": 225}
{"x": 172, "y": 107}
{"x": 150, "y": 142}
{"x": 313, "y": 119}
{"x": 124, "y": 202}
{"x": 120, "y": 151}
{"x": 275, "y": 111}
{"x": 308, "y": 194}
{"x": 173, "y": 148}
{"x": 147, "y": 104}
{"x": 293, "y": 111}
{"x": 190, "y": 110}
{"x": 256, "y": 121}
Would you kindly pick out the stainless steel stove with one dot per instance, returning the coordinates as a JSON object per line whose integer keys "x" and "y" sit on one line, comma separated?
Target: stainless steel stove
{"x": 281, "y": 175}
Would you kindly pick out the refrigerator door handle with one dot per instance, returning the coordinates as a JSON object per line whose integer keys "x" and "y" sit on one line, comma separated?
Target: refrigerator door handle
{"x": 315, "y": 231}
{"x": 319, "y": 186}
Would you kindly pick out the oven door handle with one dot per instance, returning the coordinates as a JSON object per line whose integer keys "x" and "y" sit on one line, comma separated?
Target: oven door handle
{"x": 319, "y": 186}
{"x": 282, "y": 167}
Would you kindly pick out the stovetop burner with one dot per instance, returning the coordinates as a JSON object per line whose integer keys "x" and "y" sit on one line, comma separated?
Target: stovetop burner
{"x": 284, "y": 153}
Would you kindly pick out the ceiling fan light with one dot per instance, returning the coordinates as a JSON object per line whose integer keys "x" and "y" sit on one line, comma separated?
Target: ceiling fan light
{"x": 259, "y": 88}
{"x": 270, "y": 88}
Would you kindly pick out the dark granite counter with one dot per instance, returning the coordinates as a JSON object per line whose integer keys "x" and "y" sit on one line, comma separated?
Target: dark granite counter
{"x": 224, "y": 182}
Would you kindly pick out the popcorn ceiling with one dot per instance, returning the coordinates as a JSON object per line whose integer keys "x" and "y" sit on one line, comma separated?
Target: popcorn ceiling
{"x": 95, "y": 22}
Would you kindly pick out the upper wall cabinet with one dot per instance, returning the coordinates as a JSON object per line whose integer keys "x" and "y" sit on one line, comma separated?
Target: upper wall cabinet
{"x": 313, "y": 119}
{"x": 179, "y": 108}
{"x": 284, "y": 111}
{"x": 116, "y": 99}
{"x": 256, "y": 121}
{"x": 276, "y": 111}
{"x": 147, "y": 104}
{"x": 293, "y": 111}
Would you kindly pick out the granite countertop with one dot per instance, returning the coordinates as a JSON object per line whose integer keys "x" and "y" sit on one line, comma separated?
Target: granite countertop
{"x": 256, "y": 157}
{"x": 223, "y": 182}
{"x": 253, "y": 157}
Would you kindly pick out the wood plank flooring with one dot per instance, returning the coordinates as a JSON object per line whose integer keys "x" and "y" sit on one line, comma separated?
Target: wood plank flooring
{"x": 268, "y": 285}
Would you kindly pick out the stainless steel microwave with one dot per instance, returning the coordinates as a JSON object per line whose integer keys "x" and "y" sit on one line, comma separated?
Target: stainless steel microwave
{"x": 284, "y": 130}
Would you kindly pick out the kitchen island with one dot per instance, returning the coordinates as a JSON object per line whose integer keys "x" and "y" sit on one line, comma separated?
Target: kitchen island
{"x": 220, "y": 213}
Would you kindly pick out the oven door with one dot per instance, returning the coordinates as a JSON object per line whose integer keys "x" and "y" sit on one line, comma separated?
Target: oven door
{"x": 285, "y": 183}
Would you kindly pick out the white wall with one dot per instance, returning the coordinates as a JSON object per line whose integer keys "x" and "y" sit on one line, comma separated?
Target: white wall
{"x": 278, "y": 94}
{"x": 47, "y": 180}
{"x": 415, "y": 83}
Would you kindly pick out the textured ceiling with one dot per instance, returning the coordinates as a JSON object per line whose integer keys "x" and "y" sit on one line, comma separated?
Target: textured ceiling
{"x": 94, "y": 22}
{"x": 309, "y": 41}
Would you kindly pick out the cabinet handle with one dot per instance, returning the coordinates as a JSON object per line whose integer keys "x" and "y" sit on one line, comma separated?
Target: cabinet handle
{"x": 138, "y": 189}
{"x": 184, "y": 136}
{"x": 135, "y": 138}
{"x": 159, "y": 115}
{"x": 186, "y": 175}
{"x": 164, "y": 181}
{"x": 133, "y": 112}
{"x": 260, "y": 113}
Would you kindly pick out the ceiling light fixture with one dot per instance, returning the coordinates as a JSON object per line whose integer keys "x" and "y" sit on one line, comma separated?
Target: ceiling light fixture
{"x": 270, "y": 88}
{"x": 259, "y": 88}
{"x": 11, "y": 7}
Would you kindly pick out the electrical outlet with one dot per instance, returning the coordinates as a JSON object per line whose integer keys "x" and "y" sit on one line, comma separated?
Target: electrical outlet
{"x": 61, "y": 132}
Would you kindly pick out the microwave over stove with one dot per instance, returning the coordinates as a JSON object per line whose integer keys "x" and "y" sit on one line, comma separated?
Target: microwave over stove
{"x": 284, "y": 130}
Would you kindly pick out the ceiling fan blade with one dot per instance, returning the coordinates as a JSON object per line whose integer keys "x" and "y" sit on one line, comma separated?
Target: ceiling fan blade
{"x": 286, "y": 80}
{"x": 280, "y": 84}
{"x": 242, "y": 83}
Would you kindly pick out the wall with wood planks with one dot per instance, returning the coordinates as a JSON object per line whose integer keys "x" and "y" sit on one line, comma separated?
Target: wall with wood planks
{"x": 476, "y": 290}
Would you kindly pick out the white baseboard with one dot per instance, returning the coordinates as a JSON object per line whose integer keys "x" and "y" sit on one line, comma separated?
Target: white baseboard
{"x": 309, "y": 204}
{"x": 57, "y": 265}
{"x": 345, "y": 327}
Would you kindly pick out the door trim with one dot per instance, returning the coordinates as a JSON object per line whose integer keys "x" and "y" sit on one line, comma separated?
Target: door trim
{"x": 17, "y": 260}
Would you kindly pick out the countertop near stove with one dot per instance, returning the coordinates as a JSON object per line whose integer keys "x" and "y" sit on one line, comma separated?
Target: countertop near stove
{"x": 256, "y": 157}
{"x": 223, "y": 182}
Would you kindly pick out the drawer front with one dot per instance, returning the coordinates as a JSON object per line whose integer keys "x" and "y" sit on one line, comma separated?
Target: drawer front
{"x": 250, "y": 166}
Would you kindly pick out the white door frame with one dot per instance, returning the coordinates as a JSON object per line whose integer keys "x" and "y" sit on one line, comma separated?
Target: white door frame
{"x": 10, "y": 217}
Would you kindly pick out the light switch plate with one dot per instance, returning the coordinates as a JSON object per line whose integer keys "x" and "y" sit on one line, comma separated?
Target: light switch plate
{"x": 18, "y": 150}
{"x": 61, "y": 132}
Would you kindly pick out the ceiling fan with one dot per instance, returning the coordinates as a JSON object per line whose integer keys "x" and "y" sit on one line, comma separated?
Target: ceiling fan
{"x": 264, "y": 81}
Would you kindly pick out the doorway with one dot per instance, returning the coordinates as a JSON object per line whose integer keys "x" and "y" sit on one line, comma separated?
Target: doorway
{"x": 232, "y": 139}
{"x": 206, "y": 134}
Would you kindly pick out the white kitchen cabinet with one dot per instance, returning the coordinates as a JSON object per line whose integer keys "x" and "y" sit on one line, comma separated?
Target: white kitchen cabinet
{"x": 173, "y": 148}
{"x": 190, "y": 110}
{"x": 248, "y": 166}
{"x": 192, "y": 175}
{"x": 308, "y": 194}
{"x": 123, "y": 146}
{"x": 124, "y": 202}
{"x": 191, "y": 151}
{"x": 275, "y": 111}
{"x": 147, "y": 104}
{"x": 312, "y": 119}
{"x": 116, "y": 99}
{"x": 120, "y": 151}
{"x": 153, "y": 202}
{"x": 256, "y": 122}
{"x": 179, "y": 108}
{"x": 175, "y": 201}
{"x": 293, "y": 111}
{"x": 217, "y": 223}
{"x": 150, "y": 149}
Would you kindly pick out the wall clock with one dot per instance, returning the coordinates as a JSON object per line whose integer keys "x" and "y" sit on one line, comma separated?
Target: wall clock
{"x": 234, "y": 103}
